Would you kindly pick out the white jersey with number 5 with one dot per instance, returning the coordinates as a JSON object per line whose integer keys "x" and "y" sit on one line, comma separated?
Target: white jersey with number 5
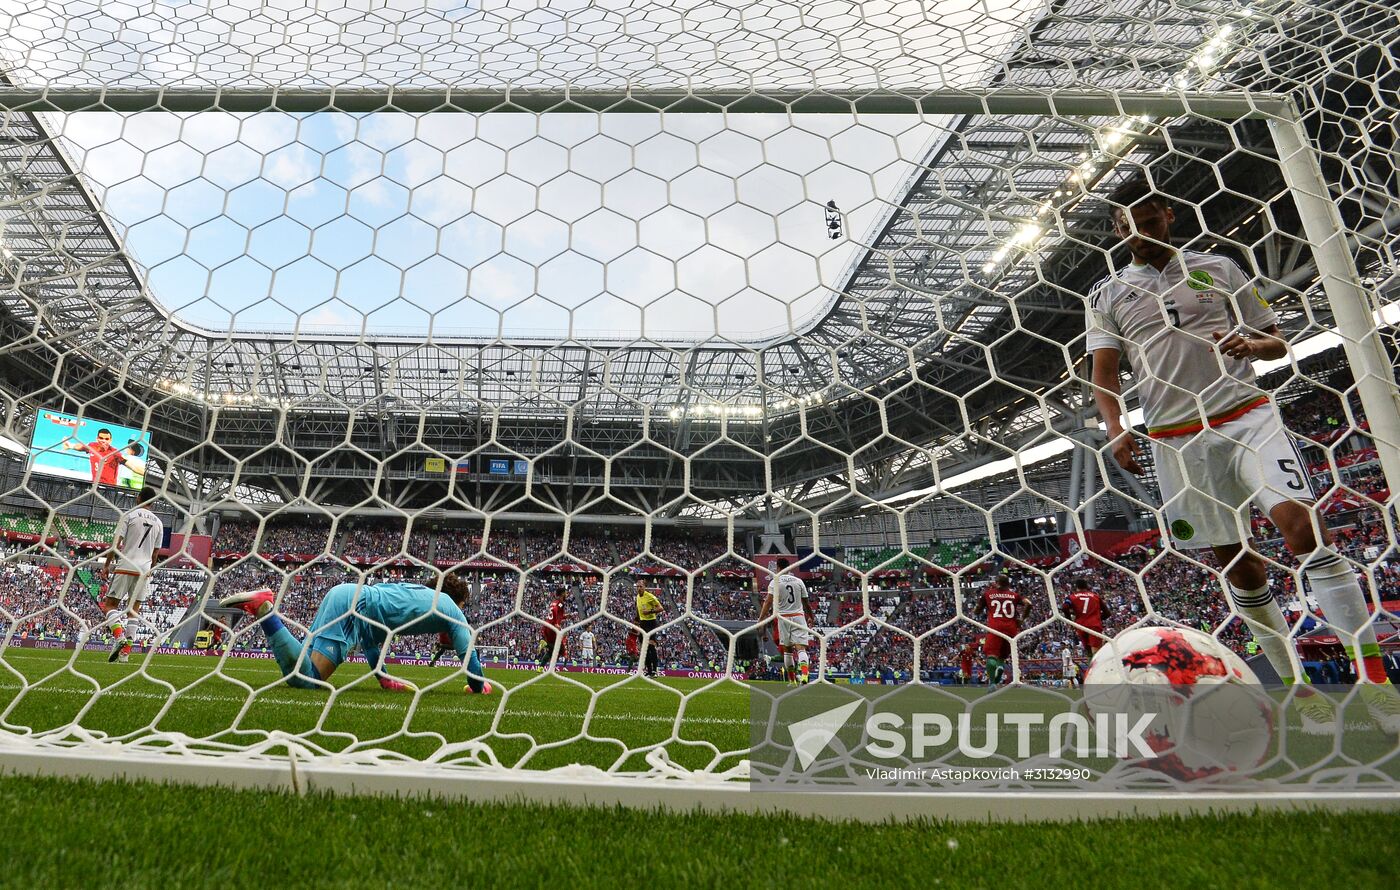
{"x": 1165, "y": 322}
{"x": 137, "y": 537}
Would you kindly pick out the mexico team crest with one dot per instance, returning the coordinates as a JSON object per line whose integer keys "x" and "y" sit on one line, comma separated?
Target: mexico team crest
{"x": 1200, "y": 280}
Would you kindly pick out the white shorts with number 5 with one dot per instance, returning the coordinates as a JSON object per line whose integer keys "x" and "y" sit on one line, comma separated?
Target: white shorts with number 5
{"x": 1209, "y": 478}
{"x": 793, "y": 630}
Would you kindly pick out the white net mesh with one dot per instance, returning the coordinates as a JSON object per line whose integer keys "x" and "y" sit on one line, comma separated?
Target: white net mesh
{"x": 559, "y": 298}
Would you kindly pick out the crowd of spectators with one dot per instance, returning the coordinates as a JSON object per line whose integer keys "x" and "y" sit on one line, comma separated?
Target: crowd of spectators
{"x": 1144, "y": 586}
{"x": 456, "y": 545}
{"x": 540, "y": 547}
{"x": 511, "y": 602}
{"x": 287, "y": 535}
{"x": 587, "y": 546}
{"x": 168, "y": 596}
{"x": 367, "y": 542}
{"x": 42, "y": 599}
{"x": 382, "y": 540}
{"x": 725, "y": 599}
{"x": 593, "y": 546}
{"x": 32, "y": 602}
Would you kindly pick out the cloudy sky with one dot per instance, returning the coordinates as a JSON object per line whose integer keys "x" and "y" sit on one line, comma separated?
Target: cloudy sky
{"x": 474, "y": 221}
{"x": 595, "y": 224}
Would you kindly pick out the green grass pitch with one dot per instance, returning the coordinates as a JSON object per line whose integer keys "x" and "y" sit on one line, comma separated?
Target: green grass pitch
{"x": 539, "y": 725}
{"x": 87, "y": 832}
{"x": 535, "y": 720}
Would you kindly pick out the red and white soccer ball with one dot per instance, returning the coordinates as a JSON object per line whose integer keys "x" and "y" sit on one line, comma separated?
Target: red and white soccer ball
{"x": 1213, "y": 719}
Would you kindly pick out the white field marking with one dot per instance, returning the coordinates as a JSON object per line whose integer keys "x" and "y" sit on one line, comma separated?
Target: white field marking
{"x": 266, "y": 665}
{"x": 263, "y": 665}
{"x": 265, "y": 698}
{"x": 372, "y": 706}
{"x": 510, "y": 713}
{"x": 976, "y": 731}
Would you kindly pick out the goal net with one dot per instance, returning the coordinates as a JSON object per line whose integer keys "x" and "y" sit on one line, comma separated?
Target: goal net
{"x": 594, "y": 318}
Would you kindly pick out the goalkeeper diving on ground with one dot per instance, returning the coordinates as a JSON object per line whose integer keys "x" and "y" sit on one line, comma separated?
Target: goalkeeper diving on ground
{"x": 366, "y": 616}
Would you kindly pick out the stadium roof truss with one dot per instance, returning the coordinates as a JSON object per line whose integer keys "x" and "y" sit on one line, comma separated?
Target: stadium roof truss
{"x": 950, "y": 334}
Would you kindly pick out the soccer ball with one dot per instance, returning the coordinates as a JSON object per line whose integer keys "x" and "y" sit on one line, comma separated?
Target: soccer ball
{"x": 1212, "y": 718}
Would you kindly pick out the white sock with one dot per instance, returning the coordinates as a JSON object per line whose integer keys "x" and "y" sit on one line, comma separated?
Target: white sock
{"x": 1337, "y": 591}
{"x": 788, "y": 663}
{"x": 801, "y": 661}
{"x": 1264, "y": 619}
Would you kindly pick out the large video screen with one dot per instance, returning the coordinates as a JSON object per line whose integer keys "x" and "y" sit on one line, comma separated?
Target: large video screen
{"x": 89, "y": 450}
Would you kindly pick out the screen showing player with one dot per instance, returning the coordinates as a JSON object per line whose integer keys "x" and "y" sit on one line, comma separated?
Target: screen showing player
{"x": 89, "y": 450}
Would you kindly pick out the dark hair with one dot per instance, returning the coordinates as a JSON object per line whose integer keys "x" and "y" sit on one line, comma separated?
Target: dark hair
{"x": 105, "y": 430}
{"x": 781, "y": 564}
{"x": 1132, "y": 193}
{"x": 456, "y": 587}
{"x": 1081, "y": 584}
{"x": 147, "y": 495}
{"x": 135, "y": 448}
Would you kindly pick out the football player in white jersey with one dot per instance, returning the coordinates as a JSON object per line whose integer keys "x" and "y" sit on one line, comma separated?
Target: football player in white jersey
{"x": 1068, "y": 669}
{"x": 1191, "y": 325}
{"x": 586, "y": 645}
{"x": 787, "y": 598}
{"x": 128, "y": 567}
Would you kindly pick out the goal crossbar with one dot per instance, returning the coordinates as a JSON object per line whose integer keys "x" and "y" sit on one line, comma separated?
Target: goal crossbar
{"x": 1007, "y": 101}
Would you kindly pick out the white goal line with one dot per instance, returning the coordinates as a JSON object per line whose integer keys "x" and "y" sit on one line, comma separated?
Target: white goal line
{"x": 714, "y": 793}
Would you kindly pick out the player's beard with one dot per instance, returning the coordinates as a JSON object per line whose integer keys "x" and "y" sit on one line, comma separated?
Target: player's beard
{"x": 1150, "y": 252}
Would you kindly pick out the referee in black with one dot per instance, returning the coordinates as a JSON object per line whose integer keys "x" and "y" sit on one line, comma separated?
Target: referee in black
{"x": 649, "y": 612}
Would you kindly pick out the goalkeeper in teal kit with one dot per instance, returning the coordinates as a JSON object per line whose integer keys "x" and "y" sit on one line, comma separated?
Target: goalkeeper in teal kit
{"x": 353, "y": 616}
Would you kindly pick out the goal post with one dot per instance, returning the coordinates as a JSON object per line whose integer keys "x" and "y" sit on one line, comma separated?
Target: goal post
{"x": 1354, "y": 307}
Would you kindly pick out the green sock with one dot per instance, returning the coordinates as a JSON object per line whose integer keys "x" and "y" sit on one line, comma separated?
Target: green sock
{"x": 993, "y": 671}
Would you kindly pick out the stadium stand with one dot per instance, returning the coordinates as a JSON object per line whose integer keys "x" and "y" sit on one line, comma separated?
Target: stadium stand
{"x": 913, "y": 606}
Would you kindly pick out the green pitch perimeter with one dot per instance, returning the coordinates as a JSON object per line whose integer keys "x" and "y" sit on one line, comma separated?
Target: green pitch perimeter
{"x": 544, "y": 721}
{"x": 86, "y": 834}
